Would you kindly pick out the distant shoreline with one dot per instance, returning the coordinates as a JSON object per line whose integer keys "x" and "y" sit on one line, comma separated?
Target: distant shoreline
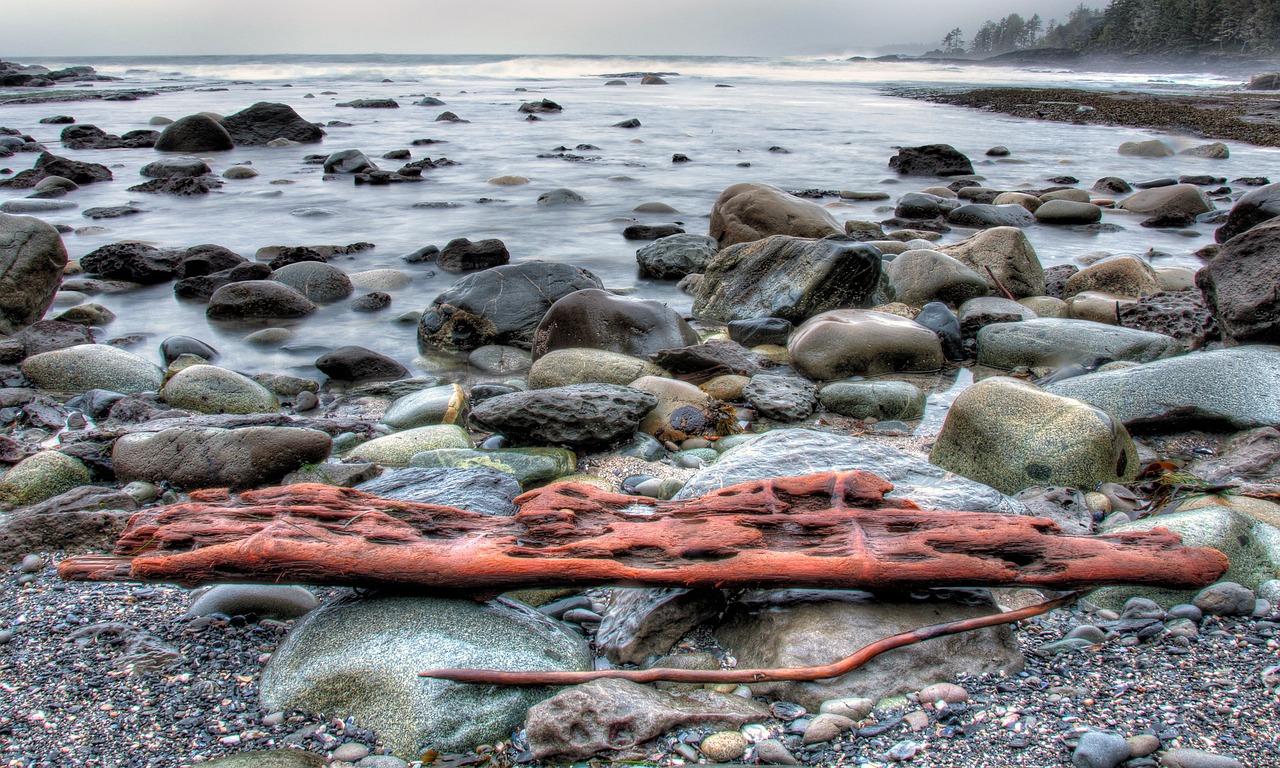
{"x": 1252, "y": 117}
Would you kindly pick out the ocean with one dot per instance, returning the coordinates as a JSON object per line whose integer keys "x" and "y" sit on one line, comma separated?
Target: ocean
{"x": 798, "y": 123}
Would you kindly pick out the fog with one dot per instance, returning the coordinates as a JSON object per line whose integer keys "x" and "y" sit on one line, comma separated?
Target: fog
{"x": 710, "y": 27}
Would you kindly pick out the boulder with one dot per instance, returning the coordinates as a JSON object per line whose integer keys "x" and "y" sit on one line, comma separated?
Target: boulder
{"x": 1239, "y": 285}
{"x": 1012, "y": 435}
{"x": 781, "y": 398}
{"x": 922, "y": 276}
{"x": 355, "y": 363}
{"x": 280, "y": 602}
{"x": 1257, "y": 206}
{"x": 881, "y": 400}
{"x": 922, "y": 205}
{"x": 210, "y": 389}
{"x": 31, "y": 261}
{"x": 1118, "y": 276}
{"x": 349, "y": 161}
{"x": 856, "y": 342}
{"x": 1148, "y": 148}
{"x": 397, "y": 449}
{"x": 204, "y": 286}
{"x": 578, "y": 415}
{"x": 500, "y": 305}
{"x": 462, "y": 255}
{"x": 39, "y": 477}
{"x": 207, "y": 259}
{"x": 1224, "y": 386}
{"x": 792, "y": 452}
{"x": 976, "y": 314}
{"x": 265, "y": 121}
{"x": 931, "y": 160}
{"x": 133, "y": 262}
{"x": 1068, "y": 212}
{"x": 86, "y": 518}
{"x": 445, "y": 404}
{"x": 674, "y": 256}
{"x": 643, "y": 623}
{"x": 1057, "y": 342}
{"x": 49, "y": 166}
{"x": 1214, "y": 151}
{"x": 613, "y": 717}
{"x": 175, "y": 167}
{"x": 1002, "y": 255}
{"x": 257, "y": 298}
{"x": 800, "y": 628}
{"x": 597, "y": 319}
{"x": 755, "y": 331}
{"x": 983, "y": 216}
{"x": 1265, "y": 81}
{"x": 194, "y": 134}
{"x": 195, "y": 457}
{"x": 92, "y": 366}
{"x": 1184, "y": 315}
{"x": 939, "y": 318}
{"x": 747, "y": 211}
{"x": 316, "y": 280}
{"x": 559, "y": 197}
{"x": 561, "y": 367}
{"x": 359, "y": 658}
{"x": 788, "y": 277}
{"x": 1163, "y": 201}
{"x": 484, "y": 490}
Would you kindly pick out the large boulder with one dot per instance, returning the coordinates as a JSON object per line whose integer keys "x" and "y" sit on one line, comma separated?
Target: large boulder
{"x": 674, "y": 256}
{"x": 360, "y": 658}
{"x": 265, "y": 121}
{"x": 210, "y": 389}
{"x": 1054, "y": 342}
{"x": 191, "y": 457}
{"x": 801, "y": 628}
{"x": 1005, "y": 258}
{"x": 613, "y": 717}
{"x": 931, "y": 160}
{"x": 1233, "y": 387}
{"x": 921, "y": 276}
{"x": 31, "y": 260}
{"x": 788, "y": 277}
{"x": 194, "y": 134}
{"x": 747, "y": 211}
{"x": 858, "y": 342}
{"x": 256, "y": 299}
{"x": 1249, "y": 211}
{"x": 1012, "y": 435}
{"x": 1185, "y": 199}
{"x": 92, "y": 366}
{"x": 578, "y": 415}
{"x": 502, "y": 305}
{"x": 1239, "y": 285}
{"x": 792, "y": 452}
{"x": 596, "y": 319}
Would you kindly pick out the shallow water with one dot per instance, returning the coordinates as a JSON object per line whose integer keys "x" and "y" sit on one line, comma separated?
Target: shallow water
{"x": 838, "y": 127}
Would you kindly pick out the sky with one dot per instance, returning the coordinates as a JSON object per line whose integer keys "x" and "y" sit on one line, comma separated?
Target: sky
{"x": 662, "y": 27}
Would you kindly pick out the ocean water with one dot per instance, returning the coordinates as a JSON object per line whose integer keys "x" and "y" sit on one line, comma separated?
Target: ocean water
{"x": 832, "y": 116}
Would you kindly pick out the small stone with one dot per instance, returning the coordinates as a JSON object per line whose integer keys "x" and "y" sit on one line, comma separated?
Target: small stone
{"x": 724, "y": 746}
{"x": 1100, "y": 749}
{"x": 825, "y": 727}
{"x": 350, "y": 753}
{"x": 1142, "y": 745}
{"x": 31, "y": 564}
{"x": 772, "y": 752}
{"x": 948, "y": 692}
{"x": 1087, "y": 632}
{"x": 1197, "y": 758}
{"x": 1226, "y": 598}
{"x": 1141, "y": 608}
{"x": 854, "y": 709}
{"x": 305, "y": 401}
{"x": 903, "y": 750}
{"x": 918, "y": 720}
{"x": 1185, "y": 611}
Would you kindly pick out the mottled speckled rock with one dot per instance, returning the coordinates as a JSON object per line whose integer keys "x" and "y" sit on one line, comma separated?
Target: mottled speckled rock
{"x": 217, "y": 458}
{"x": 316, "y": 280}
{"x": 561, "y": 367}
{"x": 360, "y": 657}
{"x": 210, "y": 389}
{"x": 1012, "y": 435}
{"x": 1234, "y": 386}
{"x": 1055, "y": 342}
{"x": 92, "y": 366}
{"x": 597, "y": 319}
{"x": 881, "y": 400}
{"x": 578, "y": 415}
{"x": 674, "y": 256}
{"x": 1239, "y": 285}
{"x": 922, "y": 276}
{"x": 41, "y": 476}
{"x": 257, "y": 298}
{"x": 1009, "y": 256}
{"x": 1120, "y": 276}
{"x": 31, "y": 260}
{"x": 396, "y": 450}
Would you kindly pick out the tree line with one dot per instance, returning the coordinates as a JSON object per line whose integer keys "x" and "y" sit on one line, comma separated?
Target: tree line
{"x": 1135, "y": 26}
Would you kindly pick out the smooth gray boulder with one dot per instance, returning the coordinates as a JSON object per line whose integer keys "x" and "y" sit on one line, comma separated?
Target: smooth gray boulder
{"x": 360, "y": 658}
{"x": 194, "y": 457}
{"x": 318, "y": 281}
{"x": 1052, "y": 341}
{"x": 31, "y": 260}
{"x": 1234, "y": 387}
{"x": 793, "y": 452}
{"x": 210, "y": 389}
{"x": 674, "y": 256}
{"x": 281, "y": 602}
{"x": 92, "y": 366}
{"x": 577, "y": 415}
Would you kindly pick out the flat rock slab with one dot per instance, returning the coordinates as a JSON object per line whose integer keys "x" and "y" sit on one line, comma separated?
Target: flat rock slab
{"x": 1055, "y": 342}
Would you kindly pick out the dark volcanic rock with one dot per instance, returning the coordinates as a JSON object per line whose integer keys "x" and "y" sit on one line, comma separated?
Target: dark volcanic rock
{"x": 204, "y": 286}
{"x": 257, "y": 298}
{"x": 135, "y": 262}
{"x": 256, "y": 125}
{"x": 51, "y": 165}
{"x": 939, "y": 318}
{"x": 502, "y": 305}
{"x": 1180, "y": 314}
{"x": 579, "y": 415}
{"x": 760, "y": 330}
{"x": 931, "y": 160}
{"x": 462, "y": 255}
{"x": 1254, "y": 208}
{"x": 352, "y": 363}
{"x": 1240, "y": 285}
{"x": 598, "y": 319}
{"x": 207, "y": 259}
{"x": 711, "y": 358}
{"x": 179, "y": 186}
{"x": 651, "y": 231}
{"x": 194, "y": 133}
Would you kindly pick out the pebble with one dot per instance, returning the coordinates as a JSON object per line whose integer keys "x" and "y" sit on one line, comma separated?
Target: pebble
{"x": 772, "y": 752}
{"x": 1100, "y": 749}
{"x": 350, "y": 752}
{"x": 948, "y": 692}
{"x": 854, "y": 709}
{"x": 724, "y": 746}
{"x": 903, "y": 750}
{"x": 31, "y": 564}
{"x": 1198, "y": 758}
{"x": 825, "y": 727}
{"x": 1226, "y": 598}
{"x": 1142, "y": 745}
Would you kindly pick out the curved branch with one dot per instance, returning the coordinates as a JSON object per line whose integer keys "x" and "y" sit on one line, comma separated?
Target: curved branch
{"x": 797, "y": 674}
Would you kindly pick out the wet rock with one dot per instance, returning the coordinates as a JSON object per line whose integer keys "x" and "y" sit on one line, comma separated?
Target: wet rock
{"x": 217, "y": 458}
{"x": 317, "y": 281}
{"x": 1068, "y": 212}
{"x": 210, "y": 389}
{"x": 714, "y": 356}
{"x": 939, "y": 318}
{"x": 651, "y": 231}
{"x": 781, "y": 398}
{"x": 134, "y": 262}
{"x": 86, "y": 518}
{"x": 931, "y": 160}
{"x": 747, "y": 212}
{"x": 1149, "y": 148}
{"x": 48, "y": 165}
{"x": 397, "y": 449}
{"x": 360, "y": 657}
{"x": 1057, "y": 342}
{"x": 175, "y": 167}
{"x": 484, "y": 490}
{"x": 922, "y": 276}
{"x": 91, "y": 366}
{"x": 560, "y": 197}
{"x": 578, "y": 415}
{"x": 445, "y": 404}
{"x": 605, "y": 717}
{"x": 1011, "y": 435}
{"x": 462, "y": 255}
{"x": 1118, "y": 276}
{"x": 1238, "y": 285}
{"x": 31, "y": 261}
{"x": 349, "y": 161}
{"x": 265, "y": 121}
{"x": 561, "y": 367}
{"x": 1004, "y": 257}
{"x": 1162, "y": 201}
{"x": 1226, "y": 598}
{"x": 355, "y": 363}
{"x": 881, "y": 400}
{"x": 1180, "y": 314}
{"x": 267, "y": 601}
{"x": 643, "y": 623}
{"x": 194, "y": 134}
{"x": 683, "y": 411}
{"x": 1257, "y": 206}
{"x": 257, "y": 298}
{"x": 528, "y": 466}
{"x": 597, "y": 319}
{"x": 677, "y": 255}
{"x": 985, "y": 216}
{"x": 755, "y": 331}
{"x": 41, "y": 476}
{"x": 848, "y": 342}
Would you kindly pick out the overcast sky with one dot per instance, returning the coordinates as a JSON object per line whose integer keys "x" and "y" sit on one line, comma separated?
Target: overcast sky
{"x": 720, "y": 27}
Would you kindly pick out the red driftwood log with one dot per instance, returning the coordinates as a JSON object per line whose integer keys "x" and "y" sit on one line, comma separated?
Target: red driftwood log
{"x": 833, "y": 530}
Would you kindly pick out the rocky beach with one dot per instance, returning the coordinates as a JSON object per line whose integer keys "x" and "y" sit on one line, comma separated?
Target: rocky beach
{"x": 251, "y": 309}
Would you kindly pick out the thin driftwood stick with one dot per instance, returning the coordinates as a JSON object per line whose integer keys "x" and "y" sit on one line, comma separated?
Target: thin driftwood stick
{"x": 833, "y": 530}
{"x": 796, "y": 674}
{"x": 999, "y": 284}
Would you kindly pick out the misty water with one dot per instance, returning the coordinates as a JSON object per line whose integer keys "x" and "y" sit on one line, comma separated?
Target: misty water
{"x": 833, "y": 118}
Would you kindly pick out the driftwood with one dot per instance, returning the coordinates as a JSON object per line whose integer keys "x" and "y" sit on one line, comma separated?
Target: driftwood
{"x": 833, "y": 530}
{"x": 790, "y": 674}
